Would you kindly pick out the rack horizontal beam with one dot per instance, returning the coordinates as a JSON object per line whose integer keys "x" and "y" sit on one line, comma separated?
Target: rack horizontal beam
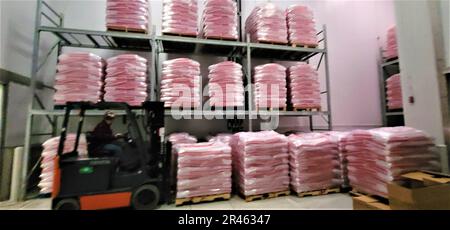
{"x": 100, "y": 39}
{"x": 393, "y": 62}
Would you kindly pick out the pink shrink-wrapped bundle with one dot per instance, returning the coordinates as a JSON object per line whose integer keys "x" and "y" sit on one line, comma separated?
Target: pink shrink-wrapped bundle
{"x": 270, "y": 86}
{"x": 180, "y": 17}
{"x": 127, "y": 15}
{"x": 339, "y": 137}
{"x": 48, "y": 156}
{"x": 126, "y": 79}
{"x": 379, "y": 156}
{"x": 301, "y": 26}
{"x": 394, "y": 92}
{"x": 267, "y": 23}
{"x": 307, "y": 152}
{"x": 79, "y": 77}
{"x": 391, "y": 46}
{"x": 220, "y": 19}
{"x": 203, "y": 169}
{"x": 260, "y": 162}
{"x": 226, "y": 87}
{"x": 180, "y": 84}
{"x": 304, "y": 87}
{"x": 221, "y": 137}
{"x": 182, "y": 138}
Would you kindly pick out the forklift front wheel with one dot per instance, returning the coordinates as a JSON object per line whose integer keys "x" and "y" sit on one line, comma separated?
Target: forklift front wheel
{"x": 145, "y": 197}
{"x": 67, "y": 204}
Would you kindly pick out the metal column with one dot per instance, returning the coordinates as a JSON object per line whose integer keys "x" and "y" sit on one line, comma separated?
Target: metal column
{"x": 4, "y": 89}
{"x": 249, "y": 85}
{"x": 327, "y": 75}
{"x": 34, "y": 75}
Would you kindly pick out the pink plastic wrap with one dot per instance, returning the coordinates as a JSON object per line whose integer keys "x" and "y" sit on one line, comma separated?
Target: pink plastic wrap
{"x": 339, "y": 138}
{"x": 301, "y": 26}
{"x": 270, "y": 86}
{"x": 221, "y": 137}
{"x": 180, "y": 17}
{"x": 267, "y": 23}
{"x": 226, "y": 87}
{"x": 203, "y": 169}
{"x": 220, "y": 19}
{"x": 379, "y": 156}
{"x": 394, "y": 92}
{"x": 391, "y": 46}
{"x": 306, "y": 152}
{"x": 48, "y": 155}
{"x": 260, "y": 162}
{"x": 180, "y": 84}
{"x": 79, "y": 78}
{"x": 182, "y": 138}
{"x": 304, "y": 87}
{"x": 130, "y": 14}
{"x": 126, "y": 79}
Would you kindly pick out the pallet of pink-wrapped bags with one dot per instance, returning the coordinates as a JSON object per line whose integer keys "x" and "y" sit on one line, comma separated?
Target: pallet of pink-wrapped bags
{"x": 265, "y": 196}
{"x": 319, "y": 192}
{"x": 201, "y": 199}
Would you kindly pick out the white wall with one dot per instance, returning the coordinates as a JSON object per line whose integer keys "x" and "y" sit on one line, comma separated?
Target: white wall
{"x": 353, "y": 27}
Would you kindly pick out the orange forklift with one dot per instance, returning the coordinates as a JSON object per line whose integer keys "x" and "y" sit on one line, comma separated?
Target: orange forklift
{"x": 93, "y": 183}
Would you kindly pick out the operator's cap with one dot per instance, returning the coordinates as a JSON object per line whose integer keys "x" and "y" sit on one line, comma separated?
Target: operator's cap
{"x": 109, "y": 115}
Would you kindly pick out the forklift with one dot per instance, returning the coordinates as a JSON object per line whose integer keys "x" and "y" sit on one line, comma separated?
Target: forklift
{"x": 98, "y": 182}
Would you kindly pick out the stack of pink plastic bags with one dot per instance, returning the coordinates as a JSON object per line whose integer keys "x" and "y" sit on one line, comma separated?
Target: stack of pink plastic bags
{"x": 301, "y": 26}
{"x": 48, "y": 156}
{"x": 130, "y": 14}
{"x": 182, "y": 138}
{"x": 339, "y": 137}
{"x": 180, "y": 17}
{"x": 270, "y": 86}
{"x": 267, "y": 23}
{"x": 379, "y": 156}
{"x": 180, "y": 84}
{"x": 314, "y": 162}
{"x": 304, "y": 87}
{"x": 126, "y": 79}
{"x": 221, "y": 137}
{"x": 220, "y": 19}
{"x": 79, "y": 77}
{"x": 391, "y": 46}
{"x": 260, "y": 162}
{"x": 226, "y": 87}
{"x": 394, "y": 92}
{"x": 203, "y": 169}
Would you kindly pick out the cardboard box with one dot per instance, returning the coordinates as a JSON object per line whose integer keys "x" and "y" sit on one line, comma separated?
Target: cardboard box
{"x": 420, "y": 190}
{"x": 368, "y": 203}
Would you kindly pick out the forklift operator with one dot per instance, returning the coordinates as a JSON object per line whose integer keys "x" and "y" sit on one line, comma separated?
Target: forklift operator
{"x": 103, "y": 138}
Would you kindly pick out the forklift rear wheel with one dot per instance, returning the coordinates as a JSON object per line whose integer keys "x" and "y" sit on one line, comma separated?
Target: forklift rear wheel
{"x": 145, "y": 197}
{"x": 67, "y": 204}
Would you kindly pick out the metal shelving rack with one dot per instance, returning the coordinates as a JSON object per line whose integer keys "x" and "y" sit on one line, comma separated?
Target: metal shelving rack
{"x": 387, "y": 69}
{"x": 51, "y": 22}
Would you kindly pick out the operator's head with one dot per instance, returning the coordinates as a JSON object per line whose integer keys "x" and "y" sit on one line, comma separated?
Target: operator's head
{"x": 109, "y": 117}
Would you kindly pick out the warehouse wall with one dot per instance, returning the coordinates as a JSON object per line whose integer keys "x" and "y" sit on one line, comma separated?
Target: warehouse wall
{"x": 422, "y": 62}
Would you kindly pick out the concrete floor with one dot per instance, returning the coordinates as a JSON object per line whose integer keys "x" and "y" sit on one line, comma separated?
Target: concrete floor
{"x": 332, "y": 201}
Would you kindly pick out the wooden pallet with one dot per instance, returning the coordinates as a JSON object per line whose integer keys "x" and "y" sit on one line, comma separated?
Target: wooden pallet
{"x": 272, "y": 109}
{"x": 358, "y": 192}
{"x": 308, "y": 109}
{"x": 304, "y": 46}
{"x": 214, "y": 108}
{"x": 319, "y": 192}
{"x": 202, "y": 199}
{"x": 180, "y": 35}
{"x": 265, "y": 196}
{"x": 127, "y": 30}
